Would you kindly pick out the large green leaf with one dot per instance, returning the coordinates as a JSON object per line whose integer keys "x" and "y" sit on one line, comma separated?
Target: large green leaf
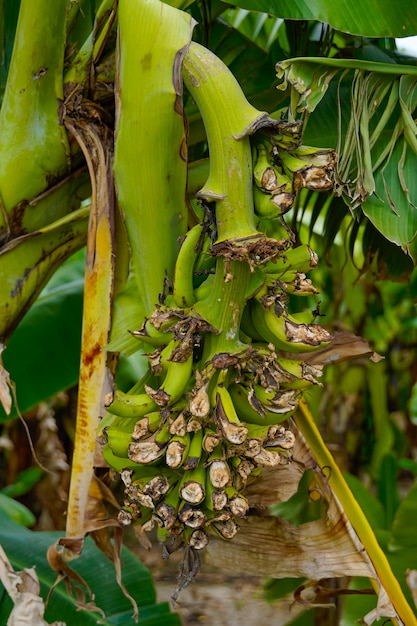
{"x": 9, "y": 10}
{"x": 26, "y": 549}
{"x": 369, "y": 18}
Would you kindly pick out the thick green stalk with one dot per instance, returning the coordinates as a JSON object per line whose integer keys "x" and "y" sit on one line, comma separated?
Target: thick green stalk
{"x": 305, "y": 423}
{"x": 34, "y": 149}
{"x": 223, "y": 308}
{"x": 150, "y": 153}
{"x": 229, "y": 119}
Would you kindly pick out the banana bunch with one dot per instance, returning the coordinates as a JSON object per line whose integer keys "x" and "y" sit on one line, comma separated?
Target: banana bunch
{"x": 209, "y": 414}
{"x": 225, "y": 372}
{"x": 283, "y": 166}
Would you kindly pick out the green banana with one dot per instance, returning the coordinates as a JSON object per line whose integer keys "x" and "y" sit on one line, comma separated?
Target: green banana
{"x": 168, "y": 508}
{"x": 263, "y": 172}
{"x": 305, "y": 174}
{"x": 285, "y": 333}
{"x": 178, "y": 426}
{"x": 268, "y": 458}
{"x": 203, "y": 291}
{"x": 287, "y": 135}
{"x": 145, "y": 473}
{"x": 282, "y": 403}
{"x": 129, "y": 405}
{"x": 283, "y": 440}
{"x": 190, "y": 515}
{"x": 237, "y": 503}
{"x": 263, "y": 433}
{"x": 319, "y": 157}
{"x": 177, "y": 450}
{"x": 269, "y": 206}
{"x": 262, "y": 416}
{"x": 219, "y": 474}
{"x": 150, "y": 335}
{"x": 162, "y": 435}
{"x": 211, "y": 440}
{"x": 299, "y": 259}
{"x": 183, "y": 293}
{"x": 205, "y": 262}
{"x": 216, "y": 498}
{"x": 129, "y": 514}
{"x": 227, "y": 419}
{"x": 118, "y": 463}
{"x": 243, "y": 468}
{"x": 302, "y": 375}
{"x": 193, "y": 485}
{"x": 176, "y": 381}
{"x": 195, "y": 450}
{"x": 196, "y": 538}
{"x": 147, "y": 451}
{"x": 147, "y": 425}
{"x": 118, "y": 441}
{"x": 225, "y": 529}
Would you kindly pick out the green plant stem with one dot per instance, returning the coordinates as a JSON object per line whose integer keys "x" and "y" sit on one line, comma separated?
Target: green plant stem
{"x": 228, "y": 123}
{"x": 150, "y": 150}
{"x": 34, "y": 149}
{"x": 223, "y": 308}
{"x": 305, "y": 422}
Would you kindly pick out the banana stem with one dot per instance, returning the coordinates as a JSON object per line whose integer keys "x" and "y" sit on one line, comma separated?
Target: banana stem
{"x": 227, "y": 124}
{"x": 305, "y": 423}
{"x": 223, "y": 308}
{"x": 150, "y": 152}
{"x": 34, "y": 148}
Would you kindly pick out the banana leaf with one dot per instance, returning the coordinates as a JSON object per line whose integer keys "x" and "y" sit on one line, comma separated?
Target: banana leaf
{"x": 95, "y": 569}
{"x": 369, "y": 18}
{"x": 368, "y": 116}
{"x": 9, "y": 11}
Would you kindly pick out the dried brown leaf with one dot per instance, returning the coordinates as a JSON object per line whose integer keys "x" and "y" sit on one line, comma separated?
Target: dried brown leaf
{"x": 278, "y": 484}
{"x": 271, "y": 546}
{"x": 384, "y": 608}
{"x": 5, "y": 385}
{"x": 106, "y": 532}
{"x": 411, "y": 577}
{"x": 23, "y": 588}
{"x": 345, "y": 345}
{"x": 58, "y": 555}
{"x": 96, "y": 143}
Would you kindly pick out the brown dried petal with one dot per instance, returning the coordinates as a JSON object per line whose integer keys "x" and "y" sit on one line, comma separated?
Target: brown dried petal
{"x": 311, "y": 334}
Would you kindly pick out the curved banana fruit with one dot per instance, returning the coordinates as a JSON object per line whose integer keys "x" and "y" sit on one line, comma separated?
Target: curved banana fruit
{"x": 183, "y": 293}
{"x": 300, "y": 259}
{"x": 285, "y": 333}
{"x": 227, "y": 419}
{"x": 129, "y": 405}
{"x": 272, "y": 205}
{"x": 246, "y": 410}
{"x": 175, "y": 384}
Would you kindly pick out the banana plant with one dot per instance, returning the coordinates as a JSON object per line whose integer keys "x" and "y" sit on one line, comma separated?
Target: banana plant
{"x": 200, "y": 279}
